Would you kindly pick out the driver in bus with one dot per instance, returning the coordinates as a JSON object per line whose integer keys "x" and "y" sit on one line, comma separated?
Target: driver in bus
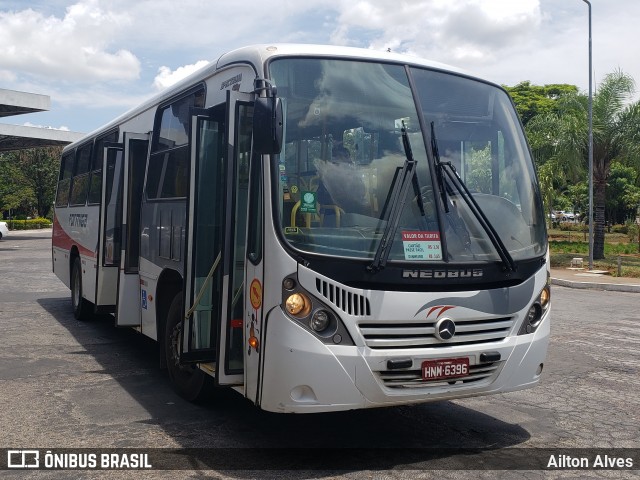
{"x": 341, "y": 183}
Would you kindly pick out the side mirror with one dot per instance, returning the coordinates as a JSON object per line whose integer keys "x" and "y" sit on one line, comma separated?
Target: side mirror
{"x": 267, "y": 125}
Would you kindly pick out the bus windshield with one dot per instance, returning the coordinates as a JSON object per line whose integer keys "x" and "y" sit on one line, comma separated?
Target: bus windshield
{"x": 347, "y": 126}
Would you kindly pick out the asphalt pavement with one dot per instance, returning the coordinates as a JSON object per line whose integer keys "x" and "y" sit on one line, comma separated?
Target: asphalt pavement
{"x": 74, "y": 385}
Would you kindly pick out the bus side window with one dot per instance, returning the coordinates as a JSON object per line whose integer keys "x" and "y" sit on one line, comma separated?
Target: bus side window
{"x": 64, "y": 182}
{"x": 95, "y": 184}
{"x": 168, "y": 175}
{"x": 80, "y": 182}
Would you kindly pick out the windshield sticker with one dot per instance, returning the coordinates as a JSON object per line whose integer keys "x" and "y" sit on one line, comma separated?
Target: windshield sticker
{"x": 421, "y": 245}
{"x": 308, "y": 203}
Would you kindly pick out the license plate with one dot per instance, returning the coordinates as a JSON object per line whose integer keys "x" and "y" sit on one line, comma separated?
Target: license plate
{"x": 445, "y": 368}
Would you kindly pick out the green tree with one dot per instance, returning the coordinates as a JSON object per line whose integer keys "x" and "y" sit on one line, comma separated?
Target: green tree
{"x": 14, "y": 195}
{"x": 557, "y": 169}
{"x": 578, "y": 195}
{"x": 563, "y": 136}
{"x": 28, "y": 180}
{"x": 546, "y": 177}
{"x": 623, "y": 193}
{"x": 532, "y": 100}
{"x": 478, "y": 169}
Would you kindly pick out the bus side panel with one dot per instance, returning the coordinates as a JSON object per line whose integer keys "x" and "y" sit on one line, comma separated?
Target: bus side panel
{"x": 129, "y": 301}
{"x": 162, "y": 248}
{"x": 76, "y": 229}
{"x": 149, "y": 274}
{"x": 61, "y": 266}
{"x": 107, "y": 286}
{"x": 60, "y": 247}
{"x": 89, "y": 268}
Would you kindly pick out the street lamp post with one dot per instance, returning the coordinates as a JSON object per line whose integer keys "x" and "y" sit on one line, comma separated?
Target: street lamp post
{"x": 590, "y": 144}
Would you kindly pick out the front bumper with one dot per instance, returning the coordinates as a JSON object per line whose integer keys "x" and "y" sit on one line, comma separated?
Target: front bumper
{"x": 303, "y": 375}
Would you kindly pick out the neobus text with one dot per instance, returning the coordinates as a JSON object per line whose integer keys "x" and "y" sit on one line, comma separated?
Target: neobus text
{"x": 459, "y": 273}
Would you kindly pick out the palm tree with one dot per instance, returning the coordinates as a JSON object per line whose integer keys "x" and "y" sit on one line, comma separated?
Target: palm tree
{"x": 562, "y": 137}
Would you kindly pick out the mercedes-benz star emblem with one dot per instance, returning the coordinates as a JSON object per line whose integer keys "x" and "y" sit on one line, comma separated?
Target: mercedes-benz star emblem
{"x": 445, "y": 329}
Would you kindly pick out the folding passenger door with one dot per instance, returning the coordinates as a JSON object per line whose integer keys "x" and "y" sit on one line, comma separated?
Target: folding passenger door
{"x": 214, "y": 272}
{"x": 109, "y": 241}
{"x": 136, "y": 150}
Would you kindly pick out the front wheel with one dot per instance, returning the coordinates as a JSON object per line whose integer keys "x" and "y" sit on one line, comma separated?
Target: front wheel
{"x": 188, "y": 381}
{"x": 82, "y": 308}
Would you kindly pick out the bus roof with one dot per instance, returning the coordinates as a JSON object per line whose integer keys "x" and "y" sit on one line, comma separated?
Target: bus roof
{"x": 258, "y": 55}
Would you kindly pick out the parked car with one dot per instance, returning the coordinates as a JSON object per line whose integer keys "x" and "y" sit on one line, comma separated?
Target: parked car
{"x": 4, "y": 230}
{"x": 568, "y": 217}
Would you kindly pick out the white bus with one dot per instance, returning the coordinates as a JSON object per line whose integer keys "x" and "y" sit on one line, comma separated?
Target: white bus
{"x": 319, "y": 228}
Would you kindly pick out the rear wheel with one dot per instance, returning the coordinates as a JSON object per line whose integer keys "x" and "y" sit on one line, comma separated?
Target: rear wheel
{"x": 82, "y": 308}
{"x": 188, "y": 381}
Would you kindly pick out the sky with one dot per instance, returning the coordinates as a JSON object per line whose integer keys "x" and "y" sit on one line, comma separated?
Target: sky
{"x": 98, "y": 58}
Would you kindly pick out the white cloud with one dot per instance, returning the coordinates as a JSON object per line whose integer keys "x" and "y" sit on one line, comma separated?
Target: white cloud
{"x": 95, "y": 57}
{"x": 73, "y": 48}
{"x": 99, "y": 40}
{"x": 29, "y": 124}
{"x": 216, "y": 26}
{"x": 7, "y": 77}
{"x": 465, "y": 31}
{"x": 167, "y": 77}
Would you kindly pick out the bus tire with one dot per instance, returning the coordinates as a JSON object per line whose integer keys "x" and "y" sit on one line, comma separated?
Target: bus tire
{"x": 82, "y": 308}
{"x": 188, "y": 381}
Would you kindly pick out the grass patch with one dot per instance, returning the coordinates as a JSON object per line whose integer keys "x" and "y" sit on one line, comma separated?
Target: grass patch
{"x": 630, "y": 263}
{"x": 565, "y": 245}
{"x": 582, "y": 248}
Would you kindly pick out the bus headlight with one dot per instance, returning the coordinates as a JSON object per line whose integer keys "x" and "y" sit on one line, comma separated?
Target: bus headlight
{"x": 320, "y": 320}
{"x": 537, "y": 310}
{"x": 309, "y": 312}
{"x": 298, "y": 305}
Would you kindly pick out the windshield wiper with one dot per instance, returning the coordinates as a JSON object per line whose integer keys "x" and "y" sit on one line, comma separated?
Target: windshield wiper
{"x": 445, "y": 190}
{"x": 454, "y": 179}
{"x": 392, "y": 211}
{"x": 442, "y": 188}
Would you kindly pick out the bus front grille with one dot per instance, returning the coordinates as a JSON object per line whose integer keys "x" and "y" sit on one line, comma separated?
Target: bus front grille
{"x": 478, "y": 375}
{"x": 394, "y": 335}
